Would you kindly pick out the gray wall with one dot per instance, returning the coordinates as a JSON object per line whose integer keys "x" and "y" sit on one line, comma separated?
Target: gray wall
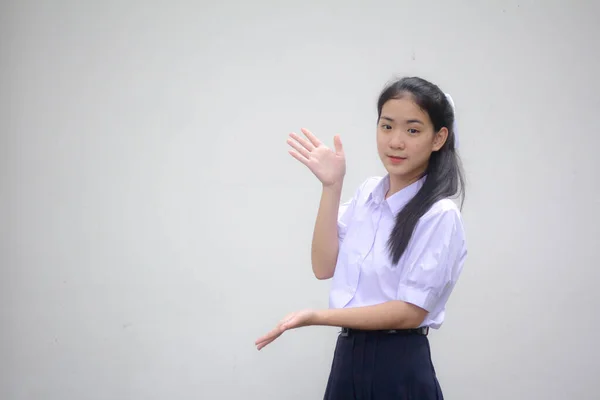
{"x": 153, "y": 224}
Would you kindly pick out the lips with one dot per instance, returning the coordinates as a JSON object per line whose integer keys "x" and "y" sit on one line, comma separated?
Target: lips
{"x": 396, "y": 160}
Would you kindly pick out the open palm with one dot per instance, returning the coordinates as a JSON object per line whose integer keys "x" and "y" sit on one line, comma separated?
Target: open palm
{"x": 328, "y": 165}
{"x": 291, "y": 321}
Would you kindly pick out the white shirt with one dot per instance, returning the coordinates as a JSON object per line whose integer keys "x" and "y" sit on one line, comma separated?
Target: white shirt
{"x": 427, "y": 271}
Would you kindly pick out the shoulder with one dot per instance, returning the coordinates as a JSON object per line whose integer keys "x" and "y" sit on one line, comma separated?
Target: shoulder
{"x": 443, "y": 209}
{"x": 366, "y": 188}
{"x": 439, "y": 234}
{"x": 370, "y": 183}
{"x": 443, "y": 218}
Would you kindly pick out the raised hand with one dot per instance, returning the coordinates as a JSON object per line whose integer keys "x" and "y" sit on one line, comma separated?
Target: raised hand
{"x": 328, "y": 165}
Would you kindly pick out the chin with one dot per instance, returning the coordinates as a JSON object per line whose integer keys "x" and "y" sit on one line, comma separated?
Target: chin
{"x": 402, "y": 172}
{"x": 397, "y": 169}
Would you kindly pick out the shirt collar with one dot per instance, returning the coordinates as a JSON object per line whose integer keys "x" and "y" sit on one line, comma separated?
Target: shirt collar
{"x": 399, "y": 199}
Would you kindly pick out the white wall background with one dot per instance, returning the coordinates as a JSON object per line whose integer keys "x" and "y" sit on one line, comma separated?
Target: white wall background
{"x": 153, "y": 225}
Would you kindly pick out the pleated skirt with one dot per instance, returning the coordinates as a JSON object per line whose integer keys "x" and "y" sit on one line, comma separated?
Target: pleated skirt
{"x": 378, "y": 365}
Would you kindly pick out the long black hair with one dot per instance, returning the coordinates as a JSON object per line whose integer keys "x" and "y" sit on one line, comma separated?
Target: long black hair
{"x": 444, "y": 173}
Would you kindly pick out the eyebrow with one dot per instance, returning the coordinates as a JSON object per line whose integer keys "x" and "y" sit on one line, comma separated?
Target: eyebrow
{"x": 409, "y": 121}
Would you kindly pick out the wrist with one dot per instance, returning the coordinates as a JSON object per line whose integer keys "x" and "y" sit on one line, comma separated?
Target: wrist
{"x": 319, "y": 317}
{"x": 335, "y": 187}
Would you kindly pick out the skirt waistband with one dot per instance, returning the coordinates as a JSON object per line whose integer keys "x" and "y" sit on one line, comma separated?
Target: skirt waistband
{"x": 424, "y": 330}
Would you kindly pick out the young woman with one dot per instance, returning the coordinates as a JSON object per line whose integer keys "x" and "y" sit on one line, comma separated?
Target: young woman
{"x": 395, "y": 250}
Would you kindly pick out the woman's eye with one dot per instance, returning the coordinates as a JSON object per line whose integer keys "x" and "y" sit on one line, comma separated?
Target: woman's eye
{"x": 413, "y": 131}
{"x": 384, "y": 126}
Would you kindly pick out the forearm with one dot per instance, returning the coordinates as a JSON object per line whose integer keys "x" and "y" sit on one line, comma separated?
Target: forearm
{"x": 389, "y": 315}
{"x": 325, "y": 246}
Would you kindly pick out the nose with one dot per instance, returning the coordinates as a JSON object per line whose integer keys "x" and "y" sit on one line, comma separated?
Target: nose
{"x": 397, "y": 141}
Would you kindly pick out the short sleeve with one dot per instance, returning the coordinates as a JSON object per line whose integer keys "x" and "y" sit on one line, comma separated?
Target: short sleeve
{"x": 433, "y": 259}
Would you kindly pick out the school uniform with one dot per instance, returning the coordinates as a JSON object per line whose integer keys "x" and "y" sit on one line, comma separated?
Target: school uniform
{"x": 393, "y": 364}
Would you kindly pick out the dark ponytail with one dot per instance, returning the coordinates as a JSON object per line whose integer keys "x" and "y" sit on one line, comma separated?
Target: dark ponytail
{"x": 444, "y": 175}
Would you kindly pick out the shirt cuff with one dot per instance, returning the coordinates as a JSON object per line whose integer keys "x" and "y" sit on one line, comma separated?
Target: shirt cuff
{"x": 426, "y": 299}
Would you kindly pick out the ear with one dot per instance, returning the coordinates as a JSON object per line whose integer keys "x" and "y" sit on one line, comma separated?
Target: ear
{"x": 440, "y": 138}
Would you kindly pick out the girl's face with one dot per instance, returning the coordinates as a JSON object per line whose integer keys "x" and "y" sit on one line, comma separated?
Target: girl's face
{"x": 406, "y": 139}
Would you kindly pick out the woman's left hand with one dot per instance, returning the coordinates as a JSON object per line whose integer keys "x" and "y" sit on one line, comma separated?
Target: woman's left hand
{"x": 294, "y": 320}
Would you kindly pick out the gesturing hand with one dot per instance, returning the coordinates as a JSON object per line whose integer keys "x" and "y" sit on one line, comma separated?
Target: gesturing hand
{"x": 291, "y": 321}
{"x": 329, "y": 166}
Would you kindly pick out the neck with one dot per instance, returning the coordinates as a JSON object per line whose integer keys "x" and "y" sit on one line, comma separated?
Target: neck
{"x": 397, "y": 183}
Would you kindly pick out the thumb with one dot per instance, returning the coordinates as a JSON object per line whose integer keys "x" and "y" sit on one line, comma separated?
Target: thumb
{"x": 337, "y": 142}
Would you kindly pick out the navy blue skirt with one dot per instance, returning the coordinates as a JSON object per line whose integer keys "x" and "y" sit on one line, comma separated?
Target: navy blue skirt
{"x": 378, "y": 365}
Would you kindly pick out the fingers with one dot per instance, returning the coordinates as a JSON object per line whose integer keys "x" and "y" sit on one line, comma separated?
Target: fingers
{"x": 302, "y": 146}
{"x": 313, "y": 139}
{"x": 290, "y": 321}
{"x": 268, "y": 338}
{"x": 305, "y": 143}
{"x": 265, "y": 341}
{"x": 337, "y": 142}
{"x": 300, "y": 149}
{"x": 300, "y": 158}
{"x": 262, "y": 345}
